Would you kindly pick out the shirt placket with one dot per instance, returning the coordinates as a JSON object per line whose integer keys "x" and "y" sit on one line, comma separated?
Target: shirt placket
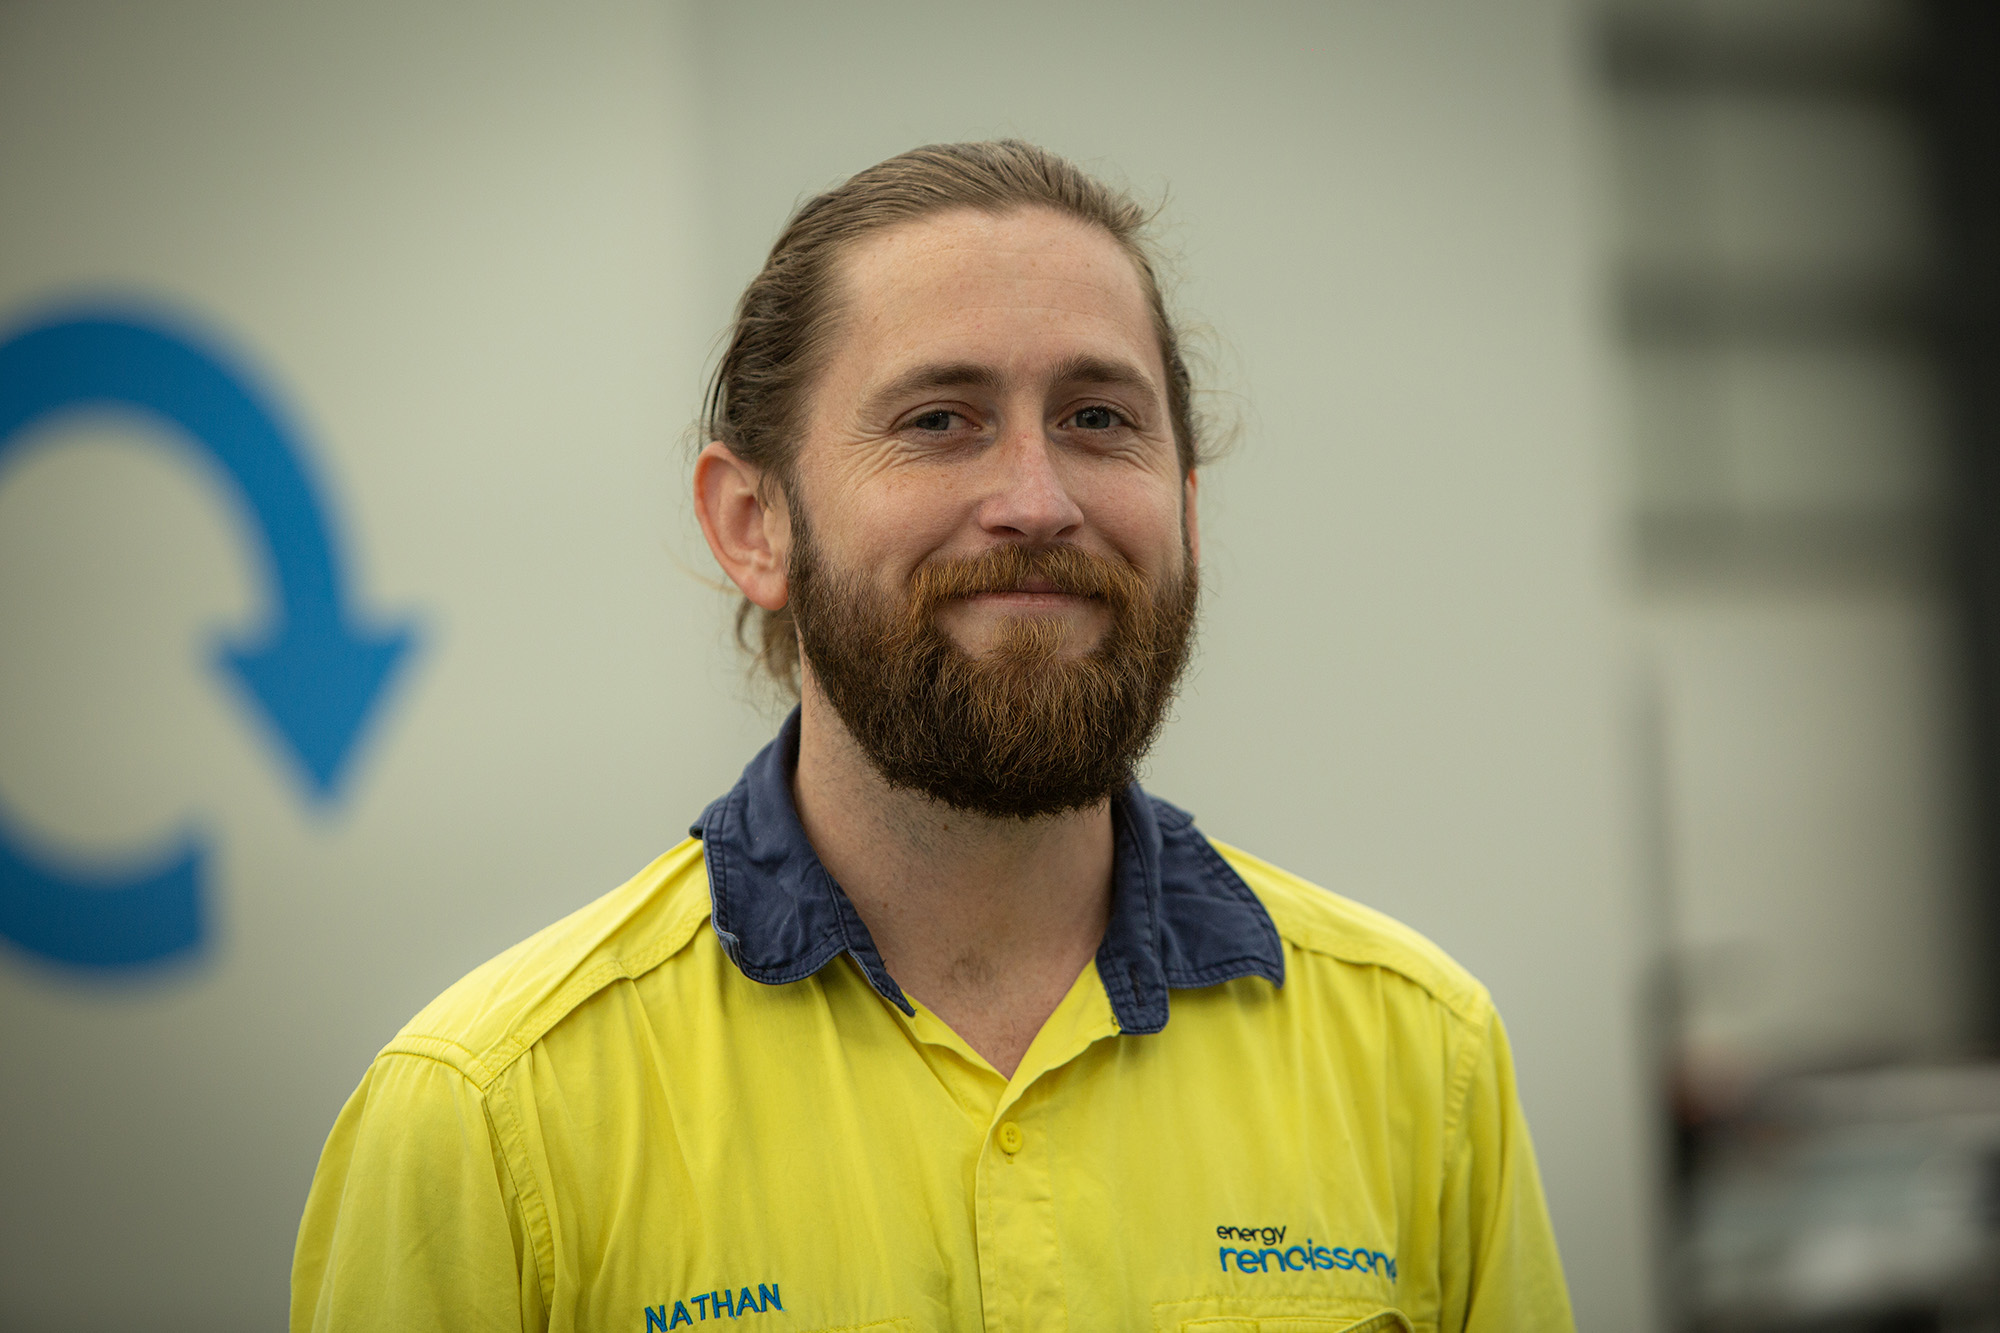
{"x": 1019, "y": 1239}
{"x": 1020, "y": 1270}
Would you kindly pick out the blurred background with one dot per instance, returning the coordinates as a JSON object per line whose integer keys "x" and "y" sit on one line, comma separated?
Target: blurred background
{"x": 1605, "y": 580}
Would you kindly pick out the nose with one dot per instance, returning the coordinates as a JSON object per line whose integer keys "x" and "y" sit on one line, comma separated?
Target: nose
{"x": 1027, "y": 498}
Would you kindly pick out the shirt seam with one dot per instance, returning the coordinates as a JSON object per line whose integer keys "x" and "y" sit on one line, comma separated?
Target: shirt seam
{"x": 534, "y": 1208}
{"x": 458, "y": 1057}
{"x": 1462, "y": 999}
{"x": 1229, "y": 969}
{"x": 1378, "y": 947}
{"x": 484, "y": 1067}
{"x": 1459, "y": 1091}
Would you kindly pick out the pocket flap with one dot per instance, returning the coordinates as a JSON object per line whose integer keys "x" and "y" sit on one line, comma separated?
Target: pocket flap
{"x": 1383, "y": 1321}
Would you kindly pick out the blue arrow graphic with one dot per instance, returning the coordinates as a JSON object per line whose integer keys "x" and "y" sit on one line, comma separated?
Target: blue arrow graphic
{"x": 315, "y": 673}
{"x": 103, "y": 919}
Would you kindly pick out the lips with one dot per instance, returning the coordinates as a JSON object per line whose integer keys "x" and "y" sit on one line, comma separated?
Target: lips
{"x": 1043, "y": 596}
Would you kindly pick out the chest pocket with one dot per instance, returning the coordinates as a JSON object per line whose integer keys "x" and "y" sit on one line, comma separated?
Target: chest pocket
{"x": 1387, "y": 1321}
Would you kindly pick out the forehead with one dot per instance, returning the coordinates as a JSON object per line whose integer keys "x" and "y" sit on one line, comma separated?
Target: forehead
{"x": 1014, "y": 290}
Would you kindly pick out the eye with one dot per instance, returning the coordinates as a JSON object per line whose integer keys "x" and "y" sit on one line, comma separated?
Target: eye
{"x": 938, "y": 420}
{"x": 1097, "y": 418}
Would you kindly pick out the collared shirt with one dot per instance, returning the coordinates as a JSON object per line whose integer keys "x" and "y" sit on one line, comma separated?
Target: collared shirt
{"x": 704, "y": 1097}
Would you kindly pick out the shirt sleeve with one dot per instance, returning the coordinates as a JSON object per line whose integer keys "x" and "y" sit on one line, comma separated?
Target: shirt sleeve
{"x": 412, "y": 1222}
{"x": 1502, "y": 1272}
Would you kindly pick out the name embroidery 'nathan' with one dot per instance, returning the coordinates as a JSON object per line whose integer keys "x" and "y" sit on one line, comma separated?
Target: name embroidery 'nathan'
{"x": 716, "y": 1303}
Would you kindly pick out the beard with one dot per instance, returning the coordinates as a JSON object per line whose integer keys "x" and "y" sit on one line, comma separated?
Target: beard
{"x": 1022, "y": 730}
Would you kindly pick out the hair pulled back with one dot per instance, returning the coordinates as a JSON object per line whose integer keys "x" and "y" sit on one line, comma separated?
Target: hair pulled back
{"x": 755, "y": 403}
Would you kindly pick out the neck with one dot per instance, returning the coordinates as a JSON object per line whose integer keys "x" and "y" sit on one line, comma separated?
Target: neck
{"x": 987, "y": 921}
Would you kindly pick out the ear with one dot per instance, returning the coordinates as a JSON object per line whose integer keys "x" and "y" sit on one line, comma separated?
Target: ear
{"x": 751, "y": 538}
{"x": 1191, "y": 519}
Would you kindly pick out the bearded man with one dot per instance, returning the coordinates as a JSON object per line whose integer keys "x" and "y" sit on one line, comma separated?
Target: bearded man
{"x": 938, "y": 1021}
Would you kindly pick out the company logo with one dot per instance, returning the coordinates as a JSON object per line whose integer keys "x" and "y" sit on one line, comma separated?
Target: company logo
{"x": 716, "y": 1303}
{"x": 312, "y": 675}
{"x": 1270, "y": 1254}
{"x": 1265, "y": 1235}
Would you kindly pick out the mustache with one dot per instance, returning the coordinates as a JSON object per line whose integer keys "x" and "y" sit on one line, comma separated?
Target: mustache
{"x": 1064, "y": 569}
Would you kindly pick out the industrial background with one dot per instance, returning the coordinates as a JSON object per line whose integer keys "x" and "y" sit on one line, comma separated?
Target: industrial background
{"x": 1605, "y": 580}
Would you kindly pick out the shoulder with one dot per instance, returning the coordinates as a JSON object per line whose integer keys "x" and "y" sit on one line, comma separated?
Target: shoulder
{"x": 1342, "y": 933}
{"x": 501, "y": 1008}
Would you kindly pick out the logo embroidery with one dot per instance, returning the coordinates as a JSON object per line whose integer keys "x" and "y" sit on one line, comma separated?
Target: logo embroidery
{"x": 1273, "y": 1255}
{"x": 719, "y": 1303}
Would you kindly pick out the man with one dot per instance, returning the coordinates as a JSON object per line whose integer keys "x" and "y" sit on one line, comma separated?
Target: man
{"x": 938, "y": 1021}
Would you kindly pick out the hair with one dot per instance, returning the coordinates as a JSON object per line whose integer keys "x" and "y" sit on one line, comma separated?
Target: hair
{"x": 785, "y": 322}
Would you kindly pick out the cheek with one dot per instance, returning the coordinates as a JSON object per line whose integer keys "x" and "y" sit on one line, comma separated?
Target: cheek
{"x": 887, "y": 527}
{"x": 1144, "y": 524}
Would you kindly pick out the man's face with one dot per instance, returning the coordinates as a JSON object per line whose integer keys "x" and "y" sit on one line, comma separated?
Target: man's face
{"x": 992, "y": 544}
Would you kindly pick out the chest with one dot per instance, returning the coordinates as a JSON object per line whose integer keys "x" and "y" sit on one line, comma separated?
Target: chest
{"x": 1218, "y": 1176}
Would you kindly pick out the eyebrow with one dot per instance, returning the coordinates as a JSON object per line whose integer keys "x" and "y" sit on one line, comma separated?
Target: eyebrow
{"x": 1097, "y": 370}
{"x": 942, "y": 375}
{"x": 1081, "y": 369}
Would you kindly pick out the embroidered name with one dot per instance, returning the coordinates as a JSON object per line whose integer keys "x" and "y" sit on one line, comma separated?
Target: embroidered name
{"x": 1301, "y": 1258}
{"x": 717, "y": 1303}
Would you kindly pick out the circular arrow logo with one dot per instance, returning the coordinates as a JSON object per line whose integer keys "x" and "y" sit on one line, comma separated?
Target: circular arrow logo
{"x": 314, "y": 673}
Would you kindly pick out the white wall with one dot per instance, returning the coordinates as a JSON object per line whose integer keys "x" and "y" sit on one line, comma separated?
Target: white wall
{"x": 459, "y": 245}
{"x": 481, "y": 258}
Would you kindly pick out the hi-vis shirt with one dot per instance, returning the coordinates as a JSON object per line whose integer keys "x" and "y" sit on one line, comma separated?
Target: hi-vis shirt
{"x": 703, "y": 1100}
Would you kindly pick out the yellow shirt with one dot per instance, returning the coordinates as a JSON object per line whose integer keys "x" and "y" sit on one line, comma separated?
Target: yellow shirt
{"x": 701, "y": 1098}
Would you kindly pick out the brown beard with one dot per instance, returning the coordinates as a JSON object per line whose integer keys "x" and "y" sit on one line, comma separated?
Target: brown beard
{"x": 1020, "y": 730}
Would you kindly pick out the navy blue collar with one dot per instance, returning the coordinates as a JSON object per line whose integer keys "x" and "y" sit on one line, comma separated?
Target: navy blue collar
{"x": 1180, "y": 916}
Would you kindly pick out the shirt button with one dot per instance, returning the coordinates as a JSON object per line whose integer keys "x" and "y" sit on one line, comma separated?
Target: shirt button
{"x": 1011, "y": 1138}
